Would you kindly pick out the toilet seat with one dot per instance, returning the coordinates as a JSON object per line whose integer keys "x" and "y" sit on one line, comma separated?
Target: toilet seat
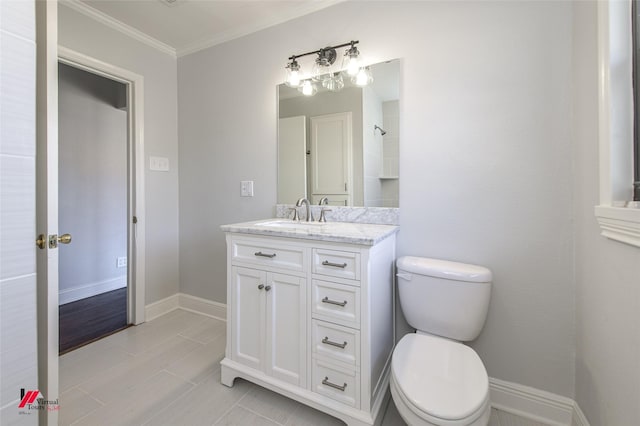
{"x": 439, "y": 380}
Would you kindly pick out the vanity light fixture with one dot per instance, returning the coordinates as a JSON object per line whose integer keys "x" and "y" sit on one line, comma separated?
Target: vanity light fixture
{"x": 323, "y": 73}
{"x": 293, "y": 73}
{"x": 351, "y": 61}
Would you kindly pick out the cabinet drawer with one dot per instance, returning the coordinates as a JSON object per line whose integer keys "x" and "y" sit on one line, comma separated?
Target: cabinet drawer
{"x": 337, "y": 383}
{"x": 268, "y": 253}
{"x": 336, "y": 342}
{"x": 342, "y": 264}
{"x": 330, "y": 301}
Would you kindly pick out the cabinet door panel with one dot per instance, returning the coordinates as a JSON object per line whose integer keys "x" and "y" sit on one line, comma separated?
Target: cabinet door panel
{"x": 286, "y": 328}
{"x": 248, "y": 328}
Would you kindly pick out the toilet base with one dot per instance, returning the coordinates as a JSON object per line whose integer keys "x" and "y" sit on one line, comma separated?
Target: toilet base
{"x": 412, "y": 419}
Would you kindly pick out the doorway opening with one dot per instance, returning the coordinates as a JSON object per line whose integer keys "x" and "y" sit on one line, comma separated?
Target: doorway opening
{"x": 93, "y": 179}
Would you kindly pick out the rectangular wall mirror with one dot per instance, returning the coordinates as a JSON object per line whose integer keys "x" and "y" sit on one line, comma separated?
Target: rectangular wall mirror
{"x": 341, "y": 145}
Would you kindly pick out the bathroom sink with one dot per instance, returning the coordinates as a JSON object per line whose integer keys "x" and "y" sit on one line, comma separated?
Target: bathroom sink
{"x": 289, "y": 224}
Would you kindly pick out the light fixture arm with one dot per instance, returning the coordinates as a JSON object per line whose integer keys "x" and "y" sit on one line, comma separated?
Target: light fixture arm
{"x": 325, "y": 49}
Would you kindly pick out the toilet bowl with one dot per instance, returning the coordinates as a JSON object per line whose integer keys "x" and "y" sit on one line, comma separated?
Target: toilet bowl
{"x": 435, "y": 379}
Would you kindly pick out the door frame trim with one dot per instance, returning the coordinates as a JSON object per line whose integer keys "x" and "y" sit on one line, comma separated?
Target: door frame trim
{"x": 136, "y": 204}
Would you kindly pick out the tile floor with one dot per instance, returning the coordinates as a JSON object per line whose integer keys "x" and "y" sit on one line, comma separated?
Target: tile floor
{"x": 166, "y": 372}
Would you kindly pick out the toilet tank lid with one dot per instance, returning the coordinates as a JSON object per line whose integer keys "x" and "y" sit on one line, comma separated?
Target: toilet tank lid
{"x": 444, "y": 269}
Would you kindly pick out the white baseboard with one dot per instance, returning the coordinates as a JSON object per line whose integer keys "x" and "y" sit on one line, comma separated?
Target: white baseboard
{"x": 82, "y": 292}
{"x": 161, "y": 307}
{"x": 203, "y": 306}
{"x": 579, "y": 419}
{"x": 531, "y": 403}
{"x": 188, "y": 303}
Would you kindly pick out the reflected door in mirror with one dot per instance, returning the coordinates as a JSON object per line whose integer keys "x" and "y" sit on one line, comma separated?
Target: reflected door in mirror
{"x": 330, "y": 162}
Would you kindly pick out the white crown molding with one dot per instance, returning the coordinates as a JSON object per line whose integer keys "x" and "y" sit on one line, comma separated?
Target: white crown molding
{"x": 111, "y": 22}
{"x": 304, "y": 9}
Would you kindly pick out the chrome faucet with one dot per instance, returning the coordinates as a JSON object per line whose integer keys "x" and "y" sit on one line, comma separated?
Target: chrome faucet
{"x": 307, "y": 205}
{"x": 323, "y": 200}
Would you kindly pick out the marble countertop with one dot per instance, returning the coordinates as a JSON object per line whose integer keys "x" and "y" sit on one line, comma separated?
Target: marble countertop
{"x": 339, "y": 232}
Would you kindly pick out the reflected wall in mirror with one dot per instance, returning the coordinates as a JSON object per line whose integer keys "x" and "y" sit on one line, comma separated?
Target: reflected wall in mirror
{"x": 341, "y": 145}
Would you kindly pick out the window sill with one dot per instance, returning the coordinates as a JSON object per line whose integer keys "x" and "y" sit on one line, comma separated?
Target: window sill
{"x": 620, "y": 224}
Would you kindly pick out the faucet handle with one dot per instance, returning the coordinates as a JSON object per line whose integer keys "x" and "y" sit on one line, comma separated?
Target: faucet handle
{"x": 295, "y": 214}
{"x": 322, "y": 217}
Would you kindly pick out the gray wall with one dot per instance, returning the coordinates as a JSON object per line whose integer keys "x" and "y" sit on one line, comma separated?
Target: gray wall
{"x": 18, "y": 357}
{"x": 92, "y": 179}
{"x": 85, "y": 35}
{"x": 607, "y": 272}
{"x": 485, "y": 157}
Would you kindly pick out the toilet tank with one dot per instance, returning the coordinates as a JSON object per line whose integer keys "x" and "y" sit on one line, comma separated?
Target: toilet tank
{"x": 444, "y": 298}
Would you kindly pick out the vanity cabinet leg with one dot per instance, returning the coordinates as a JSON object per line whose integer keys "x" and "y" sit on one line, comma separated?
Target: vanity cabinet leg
{"x": 227, "y": 376}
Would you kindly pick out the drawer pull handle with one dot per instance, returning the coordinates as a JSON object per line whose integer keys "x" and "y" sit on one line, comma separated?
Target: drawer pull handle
{"x": 333, "y": 302}
{"x": 270, "y": 256}
{"x": 326, "y": 382}
{"x": 335, "y": 265}
{"x": 326, "y": 341}
{"x": 261, "y": 286}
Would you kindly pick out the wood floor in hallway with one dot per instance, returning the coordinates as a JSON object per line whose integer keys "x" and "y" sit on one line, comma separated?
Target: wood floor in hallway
{"x": 87, "y": 320}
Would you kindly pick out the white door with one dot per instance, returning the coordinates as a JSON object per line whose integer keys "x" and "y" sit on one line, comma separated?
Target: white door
{"x": 18, "y": 276}
{"x": 292, "y": 159}
{"x": 331, "y": 153}
{"x": 248, "y": 316}
{"x": 286, "y": 328}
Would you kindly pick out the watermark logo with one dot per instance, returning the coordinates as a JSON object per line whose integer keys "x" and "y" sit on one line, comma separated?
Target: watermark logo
{"x": 29, "y": 401}
{"x": 28, "y": 398}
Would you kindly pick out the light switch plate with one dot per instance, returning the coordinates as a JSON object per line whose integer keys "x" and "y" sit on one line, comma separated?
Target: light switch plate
{"x": 159, "y": 164}
{"x": 246, "y": 188}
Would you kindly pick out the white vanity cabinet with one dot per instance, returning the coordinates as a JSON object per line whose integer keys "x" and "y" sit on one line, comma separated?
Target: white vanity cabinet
{"x": 268, "y": 323}
{"x": 312, "y": 320}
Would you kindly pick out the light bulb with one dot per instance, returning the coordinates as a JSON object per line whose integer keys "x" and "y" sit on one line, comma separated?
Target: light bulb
{"x": 293, "y": 74}
{"x": 351, "y": 61}
{"x": 363, "y": 77}
{"x": 353, "y": 66}
{"x": 307, "y": 88}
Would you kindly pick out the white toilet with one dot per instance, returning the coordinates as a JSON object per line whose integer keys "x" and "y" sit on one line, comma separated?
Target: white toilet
{"x": 435, "y": 379}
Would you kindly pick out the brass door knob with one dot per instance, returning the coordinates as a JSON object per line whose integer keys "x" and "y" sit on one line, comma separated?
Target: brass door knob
{"x": 41, "y": 242}
{"x": 64, "y": 239}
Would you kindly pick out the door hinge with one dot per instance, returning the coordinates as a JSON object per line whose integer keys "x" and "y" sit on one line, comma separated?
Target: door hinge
{"x": 135, "y": 219}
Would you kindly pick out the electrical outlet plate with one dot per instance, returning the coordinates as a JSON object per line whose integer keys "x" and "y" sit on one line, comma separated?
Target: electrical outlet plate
{"x": 246, "y": 188}
{"x": 159, "y": 164}
{"x": 121, "y": 262}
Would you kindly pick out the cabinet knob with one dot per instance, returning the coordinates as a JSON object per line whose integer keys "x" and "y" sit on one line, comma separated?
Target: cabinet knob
{"x": 261, "y": 286}
{"x": 268, "y": 288}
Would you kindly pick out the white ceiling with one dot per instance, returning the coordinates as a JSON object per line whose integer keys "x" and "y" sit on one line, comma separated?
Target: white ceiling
{"x": 186, "y": 26}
